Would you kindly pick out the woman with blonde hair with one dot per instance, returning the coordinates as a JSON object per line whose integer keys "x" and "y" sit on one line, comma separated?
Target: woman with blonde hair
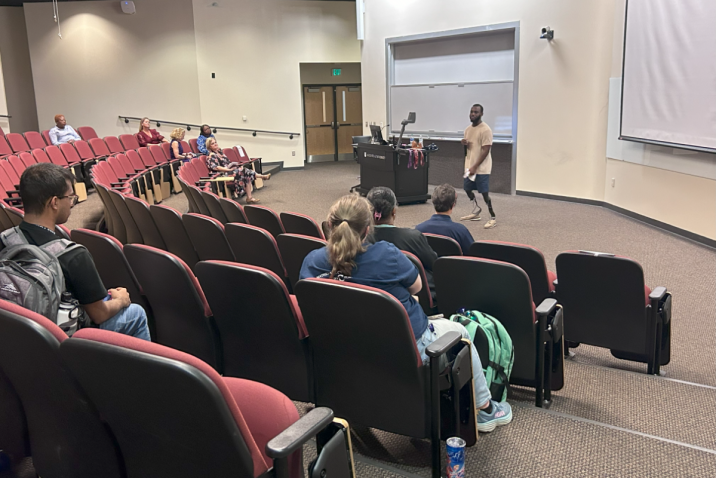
{"x": 177, "y": 150}
{"x": 147, "y": 135}
{"x": 243, "y": 177}
{"x": 350, "y": 257}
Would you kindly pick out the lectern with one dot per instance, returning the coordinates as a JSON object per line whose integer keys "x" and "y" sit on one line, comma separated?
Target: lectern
{"x": 405, "y": 171}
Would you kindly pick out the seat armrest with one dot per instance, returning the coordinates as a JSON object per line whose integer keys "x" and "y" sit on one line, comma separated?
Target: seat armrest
{"x": 546, "y": 307}
{"x": 13, "y": 200}
{"x": 555, "y": 282}
{"x": 657, "y": 294}
{"x": 293, "y": 438}
{"x": 206, "y": 178}
{"x": 117, "y": 184}
{"x": 443, "y": 344}
{"x": 10, "y": 193}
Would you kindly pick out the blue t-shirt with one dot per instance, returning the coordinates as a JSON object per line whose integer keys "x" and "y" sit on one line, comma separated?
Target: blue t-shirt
{"x": 382, "y": 266}
{"x": 443, "y": 225}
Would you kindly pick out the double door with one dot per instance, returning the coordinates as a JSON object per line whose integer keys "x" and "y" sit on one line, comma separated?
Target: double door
{"x": 333, "y": 115}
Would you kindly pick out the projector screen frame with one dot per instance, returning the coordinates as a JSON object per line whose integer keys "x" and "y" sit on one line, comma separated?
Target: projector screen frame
{"x": 390, "y": 43}
{"x": 688, "y": 147}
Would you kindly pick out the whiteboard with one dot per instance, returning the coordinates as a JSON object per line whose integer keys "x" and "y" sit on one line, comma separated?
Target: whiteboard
{"x": 444, "y": 110}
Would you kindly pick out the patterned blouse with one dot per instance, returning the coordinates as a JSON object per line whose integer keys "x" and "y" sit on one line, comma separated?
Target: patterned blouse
{"x": 217, "y": 159}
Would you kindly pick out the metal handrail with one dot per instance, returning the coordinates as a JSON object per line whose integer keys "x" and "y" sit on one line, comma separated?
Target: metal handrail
{"x": 214, "y": 128}
{"x": 5, "y": 116}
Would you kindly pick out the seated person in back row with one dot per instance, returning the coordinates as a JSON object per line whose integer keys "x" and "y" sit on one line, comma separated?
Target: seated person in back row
{"x": 385, "y": 208}
{"x": 203, "y": 138}
{"x": 177, "y": 150}
{"x": 444, "y": 201}
{"x": 63, "y": 133}
{"x": 243, "y": 177}
{"x": 147, "y": 135}
{"x": 349, "y": 257}
{"x": 47, "y": 195}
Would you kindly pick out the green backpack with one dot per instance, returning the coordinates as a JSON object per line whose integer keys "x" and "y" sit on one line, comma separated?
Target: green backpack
{"x": 500, "y": 352}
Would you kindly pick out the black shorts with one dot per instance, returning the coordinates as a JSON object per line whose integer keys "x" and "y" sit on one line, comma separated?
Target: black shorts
{"x": 481, "y": 183}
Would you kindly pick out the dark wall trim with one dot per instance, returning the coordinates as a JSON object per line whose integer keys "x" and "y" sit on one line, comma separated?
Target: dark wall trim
{"x": 293, "y": 168}
{"x": 703, "y": 240}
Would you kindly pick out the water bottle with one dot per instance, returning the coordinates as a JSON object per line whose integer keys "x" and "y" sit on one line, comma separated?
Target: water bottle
{"x": 67, "y": 306}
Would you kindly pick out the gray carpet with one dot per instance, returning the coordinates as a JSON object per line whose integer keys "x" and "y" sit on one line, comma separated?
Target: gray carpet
{"x": 598, "y": 387}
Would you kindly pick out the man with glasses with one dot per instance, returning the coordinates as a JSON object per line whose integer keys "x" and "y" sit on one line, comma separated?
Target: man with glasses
{"x": 48, "y": 197}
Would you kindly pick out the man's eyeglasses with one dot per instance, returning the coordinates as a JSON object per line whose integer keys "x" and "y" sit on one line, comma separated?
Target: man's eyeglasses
{"x": 73, "y": 199}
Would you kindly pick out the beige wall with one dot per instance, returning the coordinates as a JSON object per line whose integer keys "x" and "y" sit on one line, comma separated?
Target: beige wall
{"x": 109, "y": 64}
{"x": 684, "y": 201}
{"x": 322, "y": 73}
{"x": 255, "y": 48}
{"x": 563, "y": 100}
{"x": 16, "y": 70}
{"x": 563, "y": 87}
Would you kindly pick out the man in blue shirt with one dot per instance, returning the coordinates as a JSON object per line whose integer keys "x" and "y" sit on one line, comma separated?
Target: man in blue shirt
{"x": 444, "y": 201}
{"x": 62, "y": 132}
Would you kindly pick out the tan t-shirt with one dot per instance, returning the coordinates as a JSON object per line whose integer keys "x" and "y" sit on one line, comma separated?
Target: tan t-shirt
{"x": 478, "y": 136}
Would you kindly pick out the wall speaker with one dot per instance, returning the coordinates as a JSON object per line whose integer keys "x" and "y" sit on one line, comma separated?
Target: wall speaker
{"x": 128, "y": 7}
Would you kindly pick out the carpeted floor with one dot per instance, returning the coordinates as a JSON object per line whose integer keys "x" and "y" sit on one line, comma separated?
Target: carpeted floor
{"x": 610, "y": 419}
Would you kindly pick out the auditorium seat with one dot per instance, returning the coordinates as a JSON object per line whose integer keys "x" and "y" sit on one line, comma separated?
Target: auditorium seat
{"x": 17, "y": 142}
{"x": 134, "y": 235}
{"x": 425, "y": 296}
{"x": 40, "y": 156}
{"x": 27, "y": 159}
{"x": 185, "y": 147}
{"x": 191, "y": 203}
{"x": 67, "y": 436}
{"x": 234, "y": 211}
{"x": 295, "y": 223}
{"x": 129, "y": 141}
{"x": 378, "y": 380}
{"x": 443, "y": 245}
{"x": 99, "y": 147}
{"x": 114, "y": 222}
{"x": 266, "y": 310}
{"x": 294, "y": 248}
{"x": 87, "y": 133}
{"x": 14, "y": 214}
{"x": 255, "y": 246}
{"x": 10, "y": 191}
{"x": 191, "y": 421}
{"x": 170, "y": 166}
{"x": 5, "y": 149}
{"x": 167, "y": 149}
{"x": 503, "y": 291}
{"x": 266, "y": 218}
{"x": 114, "y": 270}
{"x": 5, "y": 222}
{"x": 182, "y": 316}
{"x": 14, "y": 440}
{"x": 143, "y": 218}
{"x": 212, "y": 203}
{"x": 17, "y": 164}
{"x": 608, "y": 304}
{"x": 61, "y": 230}
{"x": 528, "y": 258}
{"x": 152, "y": 174}
{"x": 10, "y": 171}
{"x": 141, "y": 178}
{"x": 207, "y": 236}
{"x": 113, "y": 144}
{"x": 46, "y": 136}
{"x": 161, "y": 177}
{"x": 191, "y": 178}
{"x": 120, "y": 176}
{"x": 72, "y": 156}
{"x": 170, "y": 225}
{"x": 193, "y": 146}
{"x": 86, "y": 153}
{"x": 245, "y": 159}
{"x": 35, "y": 140}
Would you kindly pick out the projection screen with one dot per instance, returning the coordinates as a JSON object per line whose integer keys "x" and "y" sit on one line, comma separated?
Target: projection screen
{"x": 669, "y": 73}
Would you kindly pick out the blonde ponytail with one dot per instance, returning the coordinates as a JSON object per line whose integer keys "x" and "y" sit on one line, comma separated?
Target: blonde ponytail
{"x": 348, "y": 219}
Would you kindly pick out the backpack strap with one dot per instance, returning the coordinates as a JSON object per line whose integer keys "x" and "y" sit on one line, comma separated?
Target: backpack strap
{"x": 13, "y": 237}
{"x": 59, "y": 247}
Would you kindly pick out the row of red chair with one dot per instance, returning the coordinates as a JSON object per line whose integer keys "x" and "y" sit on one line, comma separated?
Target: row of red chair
{"x": 90, "y": 425}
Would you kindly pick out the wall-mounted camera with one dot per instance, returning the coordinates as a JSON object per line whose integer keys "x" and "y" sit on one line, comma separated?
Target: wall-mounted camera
{"x": 547, "y": 33}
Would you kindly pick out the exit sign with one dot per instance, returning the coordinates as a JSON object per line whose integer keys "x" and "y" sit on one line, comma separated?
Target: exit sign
{"x": 336, "y": 72}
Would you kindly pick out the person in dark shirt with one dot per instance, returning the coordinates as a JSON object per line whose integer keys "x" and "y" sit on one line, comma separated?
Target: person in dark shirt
{"x": 385, "y": 208}
{"x": 444, "y": 201}
{"x": 48, "y": 196}
{"x": 351, "y": 258}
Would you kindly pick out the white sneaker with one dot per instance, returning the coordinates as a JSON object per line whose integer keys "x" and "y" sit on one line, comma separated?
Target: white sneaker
{"x": 471, "y": 217}
{"x": 490, "y": 224}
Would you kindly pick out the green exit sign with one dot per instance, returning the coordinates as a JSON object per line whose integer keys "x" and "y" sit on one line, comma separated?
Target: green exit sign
{"x": 336, "y": 72}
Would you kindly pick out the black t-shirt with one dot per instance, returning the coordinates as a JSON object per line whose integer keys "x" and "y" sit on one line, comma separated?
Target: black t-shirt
{"x": 410, "y": 240}
{"x": 81, "y": 276}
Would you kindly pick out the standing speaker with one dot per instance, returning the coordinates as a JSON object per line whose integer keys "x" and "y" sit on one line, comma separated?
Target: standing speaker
{"x": 128, "y": 7}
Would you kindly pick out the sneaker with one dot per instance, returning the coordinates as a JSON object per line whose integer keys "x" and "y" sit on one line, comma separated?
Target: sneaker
{"x": 491, "y": 223}
{"x": 501, "y": 415}
{"x": 471, "y": 217}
